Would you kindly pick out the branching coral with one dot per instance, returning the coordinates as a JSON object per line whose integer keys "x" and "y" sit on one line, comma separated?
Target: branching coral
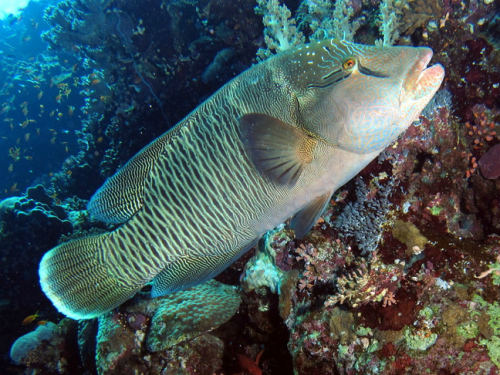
{"x": 369, "y": 282}
{"x": 327, "y": 24}
{"x": 389, "y": 23}
{"x": 364, "y": 218}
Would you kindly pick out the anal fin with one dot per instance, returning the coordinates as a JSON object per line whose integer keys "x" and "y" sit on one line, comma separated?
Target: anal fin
{"x": 190, "y": 271}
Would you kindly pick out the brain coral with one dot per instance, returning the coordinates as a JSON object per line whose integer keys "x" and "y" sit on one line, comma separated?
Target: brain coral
{"x": 189, "y": 313}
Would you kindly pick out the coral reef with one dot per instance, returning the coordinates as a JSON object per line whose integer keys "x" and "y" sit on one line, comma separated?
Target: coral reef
{"x": 399, "y": 276}
{"x": 419, "y": 13}
{"x": 47, "y": 349}
{"x": 261, "y": 270}
{"x": 363, "y": 219}
{"x": 81, "y": 23}
{"x": 187, "y": 314}
{"x": 490, "y": 163}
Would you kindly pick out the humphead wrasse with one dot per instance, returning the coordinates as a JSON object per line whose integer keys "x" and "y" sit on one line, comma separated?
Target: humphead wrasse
{"x": 273, "y": 143}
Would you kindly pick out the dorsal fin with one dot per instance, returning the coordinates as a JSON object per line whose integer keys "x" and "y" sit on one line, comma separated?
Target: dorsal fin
{"x": 278, "y": 150}
{"x": 121, "y": 196}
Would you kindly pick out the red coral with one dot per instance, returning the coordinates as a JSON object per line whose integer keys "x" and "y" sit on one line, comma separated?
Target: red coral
{"x": 388, "y": 350}
{"x": 402, "y": 362}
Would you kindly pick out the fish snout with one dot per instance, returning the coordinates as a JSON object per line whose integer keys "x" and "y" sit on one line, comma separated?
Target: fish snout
{"x": 421, "y": 83}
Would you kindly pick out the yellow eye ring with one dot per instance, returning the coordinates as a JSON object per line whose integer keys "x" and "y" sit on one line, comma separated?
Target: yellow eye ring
{"x": 349, "y": 64}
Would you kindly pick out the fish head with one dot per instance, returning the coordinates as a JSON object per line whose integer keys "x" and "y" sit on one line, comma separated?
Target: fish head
{"x": 360, "y": 97}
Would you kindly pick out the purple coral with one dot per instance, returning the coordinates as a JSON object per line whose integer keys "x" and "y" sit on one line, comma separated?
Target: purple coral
{"x": 490, "y": 163}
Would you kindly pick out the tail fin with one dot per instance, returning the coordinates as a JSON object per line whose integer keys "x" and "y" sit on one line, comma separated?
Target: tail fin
{"x": 75, "y": 278}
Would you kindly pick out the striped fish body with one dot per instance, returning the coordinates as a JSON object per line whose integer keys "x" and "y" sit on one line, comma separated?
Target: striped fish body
{"x": 274, "y": 142}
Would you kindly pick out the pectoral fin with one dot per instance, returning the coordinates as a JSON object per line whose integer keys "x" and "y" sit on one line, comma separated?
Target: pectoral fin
{"x": 303, "y": 221}
{"x": 278, "y": 150}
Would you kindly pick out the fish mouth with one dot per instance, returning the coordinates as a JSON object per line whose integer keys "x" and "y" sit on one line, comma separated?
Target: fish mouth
{"x": 422, "y": 80}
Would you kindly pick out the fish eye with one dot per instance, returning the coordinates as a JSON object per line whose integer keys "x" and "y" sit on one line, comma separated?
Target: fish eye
{"x": 349, "y": 63}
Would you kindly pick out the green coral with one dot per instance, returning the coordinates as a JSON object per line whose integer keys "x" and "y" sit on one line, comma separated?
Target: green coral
{"x": 436, "y": 210}
{"x": 469, "y": 330}
{"x": 427, "y": 313}
{"x": 363, "y": 331}
{"x": 419, "y": 340}
{"x": 493, "y": 343}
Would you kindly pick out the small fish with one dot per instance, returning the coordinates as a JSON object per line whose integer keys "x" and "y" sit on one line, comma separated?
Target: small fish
{"x": 30, "y": 318}
{"x": 58, "y": 98}
{"x": 27, "y": 137}
{"x": 14, "y": 152}
{"x": 51, "y": 114}
{"x": 95, "y": 81}
{"x": 70, "y": 110}
{"x": 25, "y": 112}
{"x": 42, "y": 322}
{"x": 274, "y": 143}
{"x": 40, "y": 94}
{"x": 24, "y": 104}
{"x": 11, "y": 167}
{"x": 59, "y": 115}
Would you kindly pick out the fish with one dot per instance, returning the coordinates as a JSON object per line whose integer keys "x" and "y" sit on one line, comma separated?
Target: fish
{"x": 30, "y": 318}
{"x": 273, "y": 143}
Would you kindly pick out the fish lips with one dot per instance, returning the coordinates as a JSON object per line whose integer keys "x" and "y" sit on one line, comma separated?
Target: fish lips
{"x": 423, "y": 81}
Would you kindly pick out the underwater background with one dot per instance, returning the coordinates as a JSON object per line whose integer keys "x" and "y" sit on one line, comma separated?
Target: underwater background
{"x": 401, "y": 274}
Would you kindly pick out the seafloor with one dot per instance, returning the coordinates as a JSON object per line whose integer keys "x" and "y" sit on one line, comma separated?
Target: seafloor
{"x": 401, "y": 274}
